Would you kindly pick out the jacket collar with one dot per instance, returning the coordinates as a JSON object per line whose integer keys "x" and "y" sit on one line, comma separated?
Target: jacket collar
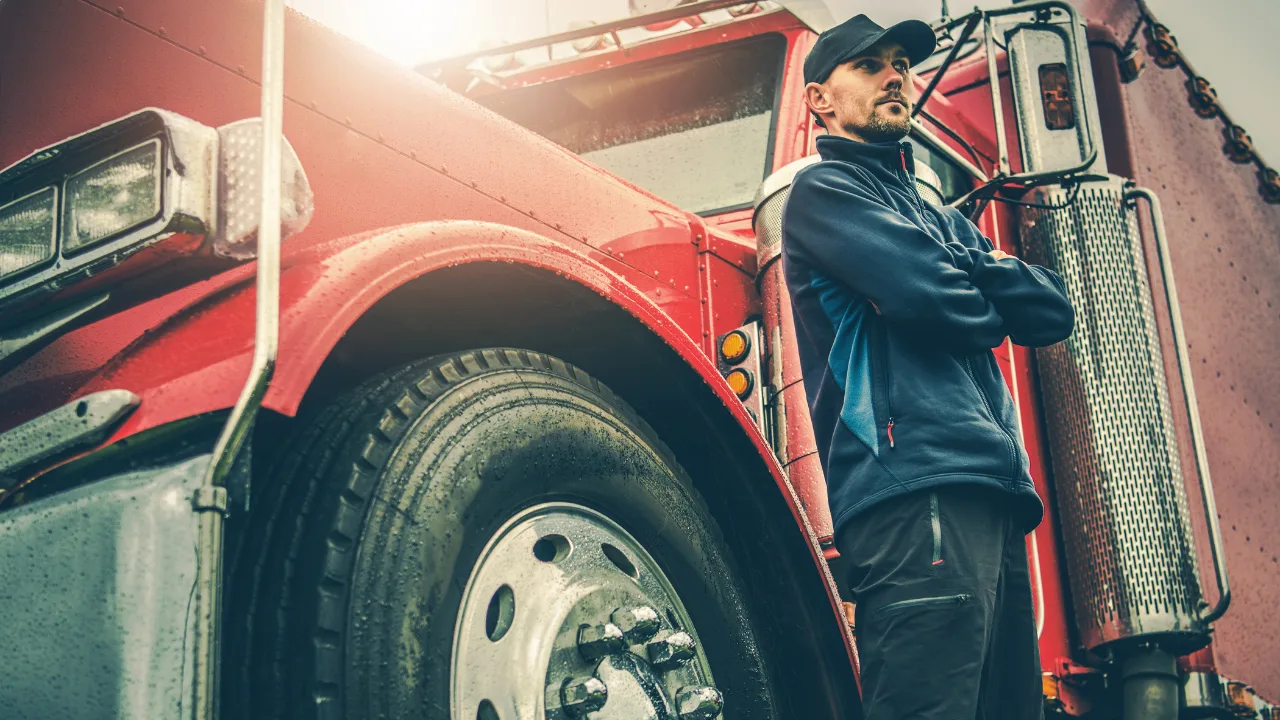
{"x": 882, "y": 159}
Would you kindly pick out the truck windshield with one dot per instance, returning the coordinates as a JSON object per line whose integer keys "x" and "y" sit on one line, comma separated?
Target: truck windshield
{"x": 694, "y": 129}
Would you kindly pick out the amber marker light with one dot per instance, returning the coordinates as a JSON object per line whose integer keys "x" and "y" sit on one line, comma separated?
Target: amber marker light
{"x": 734, "y": 347}
{"x": 1055, "y": 94}
{"x": 740, "y": 382}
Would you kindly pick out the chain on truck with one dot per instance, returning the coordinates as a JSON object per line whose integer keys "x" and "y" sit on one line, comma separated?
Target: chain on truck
{"x": 330, "y": 388}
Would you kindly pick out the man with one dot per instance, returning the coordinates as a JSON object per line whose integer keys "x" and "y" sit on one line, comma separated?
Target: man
{"x": 898, "y": 305}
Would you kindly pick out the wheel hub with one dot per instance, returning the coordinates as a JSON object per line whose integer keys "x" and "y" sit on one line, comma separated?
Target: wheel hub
{"x": 567, "y": 616}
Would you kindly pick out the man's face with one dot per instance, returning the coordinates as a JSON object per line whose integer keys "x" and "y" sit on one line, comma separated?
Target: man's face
{"x": 869, "y": 98}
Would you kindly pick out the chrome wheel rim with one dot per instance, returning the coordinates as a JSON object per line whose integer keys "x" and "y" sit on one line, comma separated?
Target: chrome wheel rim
{"x": 567, "y": 616}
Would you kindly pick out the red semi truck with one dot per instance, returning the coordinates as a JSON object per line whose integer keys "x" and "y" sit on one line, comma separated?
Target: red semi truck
{"x": 492, "y": 411}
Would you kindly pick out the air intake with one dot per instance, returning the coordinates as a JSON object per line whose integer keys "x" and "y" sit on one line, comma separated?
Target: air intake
{"x": 1121, "y": 499}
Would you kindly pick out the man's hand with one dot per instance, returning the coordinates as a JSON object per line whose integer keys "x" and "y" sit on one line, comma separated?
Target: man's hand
{"x": 1000, "y": 254}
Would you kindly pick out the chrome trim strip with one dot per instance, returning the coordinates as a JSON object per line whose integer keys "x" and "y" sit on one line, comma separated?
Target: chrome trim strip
{"x": 1193, "y": 409}
{"x": 927, "y": 136}
{"x": 18, "y": 342}
{"x": 77, "y": 424}
{"x": 1002, "y": 143}
{"x": 207, "y": 598}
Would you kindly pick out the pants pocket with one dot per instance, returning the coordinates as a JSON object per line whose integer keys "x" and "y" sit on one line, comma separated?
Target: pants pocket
{"x": 923, "y": 657}
{"x": 953, "y": 600}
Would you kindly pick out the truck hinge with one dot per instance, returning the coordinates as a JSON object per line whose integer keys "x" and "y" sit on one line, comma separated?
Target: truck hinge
{"x": 210, "y": 499}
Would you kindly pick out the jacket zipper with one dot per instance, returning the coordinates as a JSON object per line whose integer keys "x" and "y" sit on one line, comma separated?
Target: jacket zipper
{"x": 935, "y": 521}
{"x": 911, "y": 186}
{"x": 882, "y": 350}
{"x": 918, "y": 602}
{"x": 986, "y": 402}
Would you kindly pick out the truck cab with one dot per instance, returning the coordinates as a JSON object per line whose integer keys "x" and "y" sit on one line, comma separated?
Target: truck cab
{"x": 499, "y": 415}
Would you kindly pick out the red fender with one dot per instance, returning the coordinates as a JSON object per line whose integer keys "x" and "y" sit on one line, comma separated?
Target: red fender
{"x": 195, "y": 355}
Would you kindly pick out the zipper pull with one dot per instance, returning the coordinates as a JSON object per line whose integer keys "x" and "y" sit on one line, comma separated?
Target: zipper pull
{"x": 890, "y": 431}
{"x": 903, "y": 154}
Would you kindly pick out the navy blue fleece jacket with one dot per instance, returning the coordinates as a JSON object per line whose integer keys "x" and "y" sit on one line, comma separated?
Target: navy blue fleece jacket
{"x": 898, "y": 304}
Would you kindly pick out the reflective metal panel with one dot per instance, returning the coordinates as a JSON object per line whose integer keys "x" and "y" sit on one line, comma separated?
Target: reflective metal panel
{"x": 1122, "y": 502}
{"x": 96, "y": 598}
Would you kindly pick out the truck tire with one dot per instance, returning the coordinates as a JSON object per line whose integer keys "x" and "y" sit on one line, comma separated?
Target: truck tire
{"x": 490, "y": 535}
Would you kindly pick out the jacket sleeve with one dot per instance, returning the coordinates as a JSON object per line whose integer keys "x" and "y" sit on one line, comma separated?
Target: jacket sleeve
{"x": 1031, "y": 299}
{"x": 914, "y": 281}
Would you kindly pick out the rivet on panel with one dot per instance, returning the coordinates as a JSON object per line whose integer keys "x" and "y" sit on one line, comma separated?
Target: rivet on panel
{"x": 444, "y": 169}
{"x": 382, "y": 138}
{"x": 413, "y": 154}
{"x": 314, "y": 105}
{"x": 162, "y": 31}
{"x": 120, "y": 10}
{"x": 203, "y": 51}
{"x": 240, "y": 69}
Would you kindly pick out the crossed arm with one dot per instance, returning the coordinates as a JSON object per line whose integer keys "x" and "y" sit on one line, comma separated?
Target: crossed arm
{"x": 962, "y": 296}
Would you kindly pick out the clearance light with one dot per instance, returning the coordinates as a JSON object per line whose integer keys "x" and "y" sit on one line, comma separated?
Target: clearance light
{"x": 740, "y": 382}
{"x": 734, "y": 347}
{"x": 1055, "y": 94}
{"x": 238, "y": 191}
{"x": 113, "y": 196}
{"x": 26, "y": 231}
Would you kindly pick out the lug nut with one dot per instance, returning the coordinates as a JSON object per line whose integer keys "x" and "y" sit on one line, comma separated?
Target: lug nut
{"x": 638, "y": 624}
{"x": 597, "y": 641}
{"x": 699, "y": 703}
{"x": 579, "y": 697}
{"x": 671, "y": 651}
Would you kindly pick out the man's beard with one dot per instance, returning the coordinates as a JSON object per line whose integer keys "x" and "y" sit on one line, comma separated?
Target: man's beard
{"x": 884, "y": 129}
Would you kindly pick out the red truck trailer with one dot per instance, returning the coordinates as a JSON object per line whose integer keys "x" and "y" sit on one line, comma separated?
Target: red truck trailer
{"x": 492, "y": 411}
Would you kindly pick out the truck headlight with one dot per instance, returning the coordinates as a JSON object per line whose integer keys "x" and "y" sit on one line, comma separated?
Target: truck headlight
{"x": 113, "y": 196}
{"x": 26, "y": 231}
{"x": 153, "y": 180}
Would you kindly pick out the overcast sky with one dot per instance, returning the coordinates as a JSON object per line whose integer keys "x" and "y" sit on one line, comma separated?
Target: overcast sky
{"x": 1230, "y": 42}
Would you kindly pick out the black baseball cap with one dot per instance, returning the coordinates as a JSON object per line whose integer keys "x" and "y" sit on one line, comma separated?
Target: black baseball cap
{"x": 856, "y": 35}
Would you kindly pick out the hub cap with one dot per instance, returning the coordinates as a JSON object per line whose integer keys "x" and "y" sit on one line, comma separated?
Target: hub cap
{"x": 567, "y": 616}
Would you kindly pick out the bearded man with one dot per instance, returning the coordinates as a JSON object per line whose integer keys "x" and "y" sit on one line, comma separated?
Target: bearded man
{"x": 898, "y": 305}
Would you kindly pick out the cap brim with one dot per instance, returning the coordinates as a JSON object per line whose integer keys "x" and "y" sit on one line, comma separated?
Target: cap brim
{"x": 916, "y": 37}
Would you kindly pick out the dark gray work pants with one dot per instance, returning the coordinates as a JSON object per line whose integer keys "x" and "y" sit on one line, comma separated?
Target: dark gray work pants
{"x": 945, "y": 624}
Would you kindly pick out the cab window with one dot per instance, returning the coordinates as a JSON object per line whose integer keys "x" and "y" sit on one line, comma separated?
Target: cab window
{"x": 955, "y": 181}
{"x": 694, "y": 129}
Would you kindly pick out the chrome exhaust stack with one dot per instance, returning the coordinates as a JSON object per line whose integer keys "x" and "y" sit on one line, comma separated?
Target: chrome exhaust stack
{"x": 793, "y": 439}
